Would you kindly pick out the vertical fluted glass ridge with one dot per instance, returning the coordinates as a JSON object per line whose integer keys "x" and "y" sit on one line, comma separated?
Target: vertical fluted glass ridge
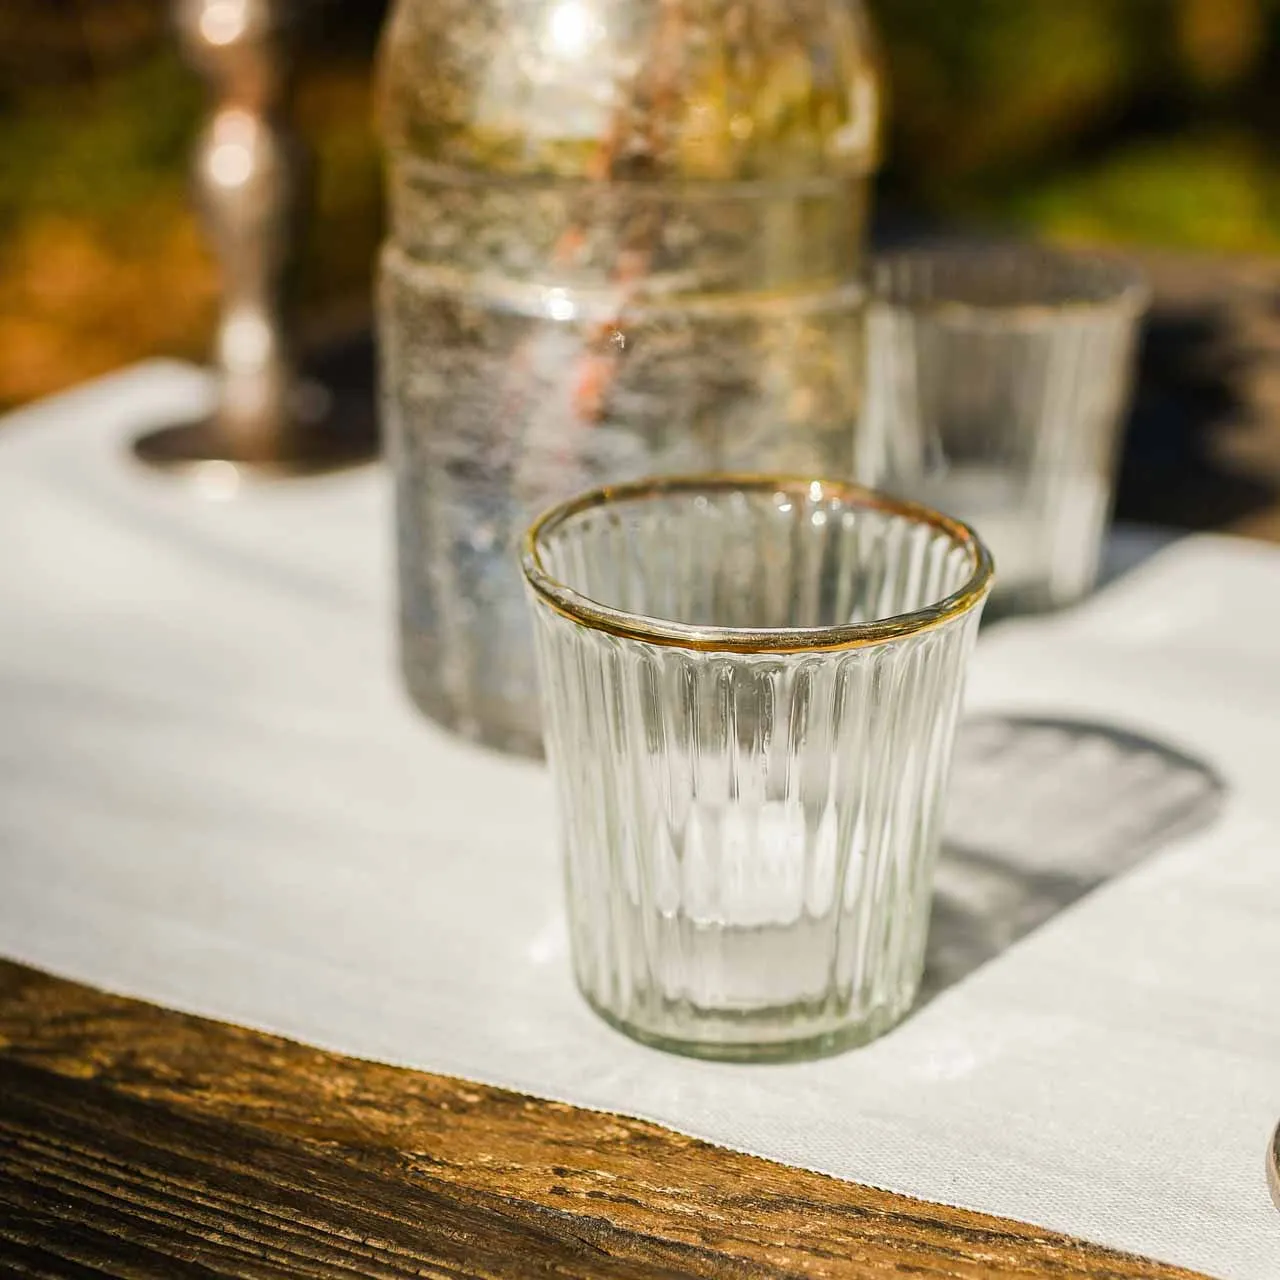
{"x": 749, "y": 837}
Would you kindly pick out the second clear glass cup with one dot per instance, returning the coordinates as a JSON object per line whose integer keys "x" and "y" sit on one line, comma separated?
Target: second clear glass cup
{"x": 750, "y": 692}
{"x": 997, "y": 381}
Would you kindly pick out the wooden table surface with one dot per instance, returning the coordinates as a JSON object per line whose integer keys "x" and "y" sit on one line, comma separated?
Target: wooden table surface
{"x": 139, "y": 1142}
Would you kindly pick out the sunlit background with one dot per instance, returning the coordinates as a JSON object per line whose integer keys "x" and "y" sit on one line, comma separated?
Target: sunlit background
{"x": 1138, "y": 122}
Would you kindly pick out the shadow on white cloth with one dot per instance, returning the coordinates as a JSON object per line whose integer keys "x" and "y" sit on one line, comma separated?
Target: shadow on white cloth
{"x": 1042, "y": 811}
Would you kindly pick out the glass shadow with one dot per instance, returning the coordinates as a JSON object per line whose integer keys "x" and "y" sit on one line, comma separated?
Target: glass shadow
{"x": 1042, "y": 811}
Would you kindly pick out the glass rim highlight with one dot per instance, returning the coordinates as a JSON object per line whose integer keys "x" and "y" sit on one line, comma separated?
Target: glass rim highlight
{"x": 1118, "y": 285}
{"x": 625, "y": 625}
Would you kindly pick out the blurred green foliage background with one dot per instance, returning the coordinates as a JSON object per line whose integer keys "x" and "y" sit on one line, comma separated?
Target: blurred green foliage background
{"x": 1150, "y": 122}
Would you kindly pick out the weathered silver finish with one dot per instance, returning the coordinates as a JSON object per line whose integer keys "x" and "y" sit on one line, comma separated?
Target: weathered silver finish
{"x": 624, "y": 240}
{"x": 247, "y": 189}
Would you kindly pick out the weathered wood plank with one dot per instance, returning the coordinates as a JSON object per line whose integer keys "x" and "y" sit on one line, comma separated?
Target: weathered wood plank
{"x": 144, "y": 1142}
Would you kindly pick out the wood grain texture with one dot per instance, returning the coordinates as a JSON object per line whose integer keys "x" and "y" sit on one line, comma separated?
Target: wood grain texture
{"x": 141, "y": 1142}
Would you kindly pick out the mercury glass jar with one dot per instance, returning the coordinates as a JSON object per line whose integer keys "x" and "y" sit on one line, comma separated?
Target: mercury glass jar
{"x": 625, "y": 239}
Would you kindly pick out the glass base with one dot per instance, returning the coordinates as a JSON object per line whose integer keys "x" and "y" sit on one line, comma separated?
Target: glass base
{"x": 1034, "y": 598}
{"x": 486, "y": 724}
{"x": 330, "y": 435}
{"x": 1019, "y": 602}
{"x": 801, "y": 1044}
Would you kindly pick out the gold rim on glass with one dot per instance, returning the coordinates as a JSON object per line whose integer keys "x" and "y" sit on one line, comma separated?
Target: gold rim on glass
{"x": 635, "y": 626}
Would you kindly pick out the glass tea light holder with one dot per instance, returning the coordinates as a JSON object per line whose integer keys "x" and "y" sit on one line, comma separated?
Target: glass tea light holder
{"x": 997, "y": 382}
{"x": 750, "y": 690}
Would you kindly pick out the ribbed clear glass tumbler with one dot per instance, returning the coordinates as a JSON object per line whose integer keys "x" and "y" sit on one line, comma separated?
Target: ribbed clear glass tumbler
{"x": 750, "y": 691}
{"x": 997, "y": 381}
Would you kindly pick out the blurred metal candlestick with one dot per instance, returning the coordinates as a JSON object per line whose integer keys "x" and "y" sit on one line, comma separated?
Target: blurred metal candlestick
{"x": 247, "y": 178}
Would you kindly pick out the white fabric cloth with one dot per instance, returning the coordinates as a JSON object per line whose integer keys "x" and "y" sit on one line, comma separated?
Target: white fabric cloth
{"x": 214, "y": 795}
